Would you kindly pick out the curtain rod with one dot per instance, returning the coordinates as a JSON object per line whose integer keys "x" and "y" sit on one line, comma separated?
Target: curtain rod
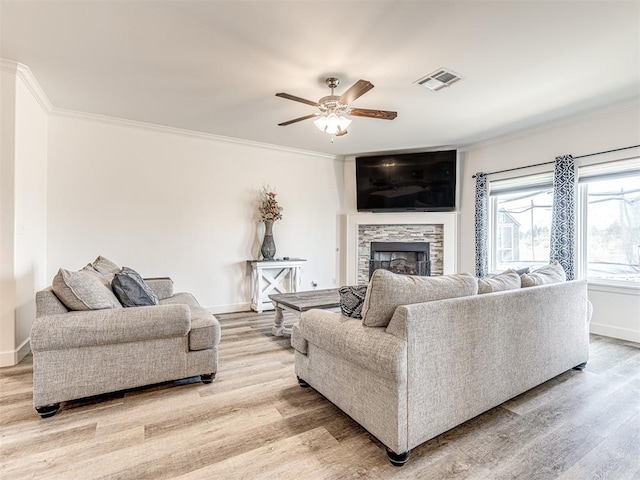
{"x": 549, "y": 163}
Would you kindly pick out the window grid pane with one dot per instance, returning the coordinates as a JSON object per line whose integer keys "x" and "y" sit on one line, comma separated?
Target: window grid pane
{"x": 613, "y": 229}
{"x": 522, "y": 229}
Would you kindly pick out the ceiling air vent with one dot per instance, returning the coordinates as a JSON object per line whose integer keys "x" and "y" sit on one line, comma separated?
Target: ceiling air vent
{"x": 439, "y": 79}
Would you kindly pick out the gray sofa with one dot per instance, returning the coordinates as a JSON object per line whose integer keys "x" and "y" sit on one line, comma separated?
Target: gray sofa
{"x": 78, "y": 354}
{"x": 439, "y": 361}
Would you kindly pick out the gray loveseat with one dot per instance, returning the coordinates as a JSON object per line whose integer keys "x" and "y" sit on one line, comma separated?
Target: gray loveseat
{"x": 78, "y": 354}
{"x": 428, "y": 366}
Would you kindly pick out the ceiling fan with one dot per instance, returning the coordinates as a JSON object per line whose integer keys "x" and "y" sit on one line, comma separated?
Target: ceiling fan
{"x": 334, "y": 111}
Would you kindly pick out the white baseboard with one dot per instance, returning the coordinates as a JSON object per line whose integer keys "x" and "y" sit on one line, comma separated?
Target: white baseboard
{"x": 14, "y": 357}
{"x": 615, "y": 332}
{"x": 230, "y": 308}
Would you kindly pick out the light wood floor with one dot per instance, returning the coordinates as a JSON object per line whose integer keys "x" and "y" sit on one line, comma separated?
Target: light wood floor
{"x": 255, "y": 422}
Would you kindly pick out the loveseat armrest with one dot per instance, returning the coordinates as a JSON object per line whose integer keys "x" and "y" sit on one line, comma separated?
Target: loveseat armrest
{"x": 110, "y": 326}
{"x": 369, "y": 347}
{"x": 161, "y": 286}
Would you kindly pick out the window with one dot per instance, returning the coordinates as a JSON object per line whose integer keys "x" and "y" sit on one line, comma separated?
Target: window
{"x": 612, "y": 227}
{"x": 522, "y": 229}
{"x": 608, "y": 208}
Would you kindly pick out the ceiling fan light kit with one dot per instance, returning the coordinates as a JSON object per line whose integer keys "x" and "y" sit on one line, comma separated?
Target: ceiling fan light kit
{"x": 333, "y": 110}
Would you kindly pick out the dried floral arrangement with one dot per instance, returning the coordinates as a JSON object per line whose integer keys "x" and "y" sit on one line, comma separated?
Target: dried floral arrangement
{"x": 269, "y": 208}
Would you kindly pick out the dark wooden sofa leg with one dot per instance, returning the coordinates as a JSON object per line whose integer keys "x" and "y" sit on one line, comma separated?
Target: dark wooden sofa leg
{"x": 47, "y": 411}
{"x": 397, "y": 459}
{"x": 207, "y": 377}
{"x": 580, "y": 367}
{"x": 302, "y": 383}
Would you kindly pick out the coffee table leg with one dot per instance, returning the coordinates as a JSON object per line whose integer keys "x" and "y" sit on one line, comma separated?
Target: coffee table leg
{"x": 278, "y": 329}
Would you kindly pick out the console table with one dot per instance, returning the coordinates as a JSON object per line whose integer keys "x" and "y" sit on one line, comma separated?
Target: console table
{"x": 270, "y": 277}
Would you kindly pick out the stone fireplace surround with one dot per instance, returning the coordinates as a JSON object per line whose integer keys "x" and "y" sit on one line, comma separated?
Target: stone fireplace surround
{"x": 438, "y": 227}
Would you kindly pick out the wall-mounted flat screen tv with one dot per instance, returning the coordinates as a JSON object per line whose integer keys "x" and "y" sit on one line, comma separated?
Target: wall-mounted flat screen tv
{"x": 424, "y": 182}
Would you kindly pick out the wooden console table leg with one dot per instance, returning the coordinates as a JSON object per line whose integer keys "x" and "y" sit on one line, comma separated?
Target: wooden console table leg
{"x": 278, "y": 329}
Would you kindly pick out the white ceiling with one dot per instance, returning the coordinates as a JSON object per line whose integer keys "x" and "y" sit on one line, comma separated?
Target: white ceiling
{"x": 215, "y": 66}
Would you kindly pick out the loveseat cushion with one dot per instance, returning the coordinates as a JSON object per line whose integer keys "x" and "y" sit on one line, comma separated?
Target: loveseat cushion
{"x": 131, "y": 289}
{"x": 547, "y": 275}
{"x": 352, "y": 299}
{"x": 83, "y": 290}
{"x": 347, "y": 338}
{"x": 508, "y": 280}
{"x": 388, "y": 290}
{"x": 180, "y": 298}
{"x": 205, "y": 329}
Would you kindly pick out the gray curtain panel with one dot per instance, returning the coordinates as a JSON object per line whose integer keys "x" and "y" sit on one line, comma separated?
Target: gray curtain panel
{"x": 563, "y": 220}
{"x": 482, "y": 225}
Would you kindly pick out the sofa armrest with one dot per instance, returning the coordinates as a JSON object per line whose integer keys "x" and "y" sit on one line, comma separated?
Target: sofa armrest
{"x": 369, "y": 347}
{"x": 110, "y": 326}
{"x": 161, "y": 286}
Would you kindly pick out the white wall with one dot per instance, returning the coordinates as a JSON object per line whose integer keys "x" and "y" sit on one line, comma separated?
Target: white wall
{"x": 166, "y": 202}
{"x": 30, "y": 209}
{"x": 7, "y": 216}
{"x": 23, "y": 166}
{"x": 616, "y": 312}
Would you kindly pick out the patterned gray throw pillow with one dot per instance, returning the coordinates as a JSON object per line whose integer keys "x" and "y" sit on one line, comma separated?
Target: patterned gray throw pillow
{"x": 351, "y": 300}
{"x": 131, "y": 289}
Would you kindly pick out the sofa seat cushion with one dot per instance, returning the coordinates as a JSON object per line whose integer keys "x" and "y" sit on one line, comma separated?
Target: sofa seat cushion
{"x": 205, "y": 329}
{"x": 83, "y": 290}
{"x": 180, "y": 298}
{"x": 371, "y": 348}
{"x": 508, "y": 280}
{"x": 388, "y": 290}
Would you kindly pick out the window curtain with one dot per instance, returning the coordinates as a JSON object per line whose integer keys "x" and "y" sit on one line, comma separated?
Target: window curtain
{"x": 482, "y": 225}
{"x": 563, "y": 219}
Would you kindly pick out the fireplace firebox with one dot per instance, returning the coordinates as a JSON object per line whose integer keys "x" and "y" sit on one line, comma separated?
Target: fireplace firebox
{"x": 405, "y": 258}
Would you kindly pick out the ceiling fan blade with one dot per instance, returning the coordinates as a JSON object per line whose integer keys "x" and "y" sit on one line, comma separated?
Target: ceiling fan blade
{"x": 306, "y": 117}
{"x": 296, "y": 99}
{"x": 366, "y": 112}
{"x": 341, "y": 133}
{"x": 355, "y": 91}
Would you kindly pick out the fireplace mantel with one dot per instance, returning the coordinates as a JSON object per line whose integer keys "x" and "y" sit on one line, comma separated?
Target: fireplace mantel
{"x": 448, "y": 220}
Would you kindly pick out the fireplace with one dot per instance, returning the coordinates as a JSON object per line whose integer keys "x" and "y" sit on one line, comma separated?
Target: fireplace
{"x": 405, "y": 258}
{"x": 363, "y": 228}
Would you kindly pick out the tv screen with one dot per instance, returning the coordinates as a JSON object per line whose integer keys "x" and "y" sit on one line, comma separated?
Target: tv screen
{"x": 423, "y": 182}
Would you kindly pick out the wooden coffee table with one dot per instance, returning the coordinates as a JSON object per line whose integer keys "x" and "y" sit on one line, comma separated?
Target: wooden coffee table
{"x": 299, "y": 302}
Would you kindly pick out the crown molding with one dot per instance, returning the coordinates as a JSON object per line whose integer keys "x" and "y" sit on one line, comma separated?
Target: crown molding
{"x": 183, "y": 132}
{"x": 23, "y": 72}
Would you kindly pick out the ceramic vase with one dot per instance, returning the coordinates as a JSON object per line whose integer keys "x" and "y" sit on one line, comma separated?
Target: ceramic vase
{"x": 268, "y": 248}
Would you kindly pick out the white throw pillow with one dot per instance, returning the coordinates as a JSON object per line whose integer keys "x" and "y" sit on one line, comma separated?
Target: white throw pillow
{"x": 83, "y": 290}
{"x": 388, "y": 290}
{"x": 105, "y": 267}
{"x": 508, "y": 280}
{"x": 552, "y": 273}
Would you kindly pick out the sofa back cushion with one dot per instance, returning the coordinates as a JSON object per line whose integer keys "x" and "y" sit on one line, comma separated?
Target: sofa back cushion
{"x": 388, "y": 290}
{"x": 105, "y": 267}
{"x": 508, "y": 280}
{"x": 83, "y": 290}
{"x": 552, "y": 273}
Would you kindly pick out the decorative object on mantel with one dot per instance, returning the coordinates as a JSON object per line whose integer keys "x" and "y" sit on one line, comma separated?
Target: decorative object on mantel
{"x": 270, "y": 211}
